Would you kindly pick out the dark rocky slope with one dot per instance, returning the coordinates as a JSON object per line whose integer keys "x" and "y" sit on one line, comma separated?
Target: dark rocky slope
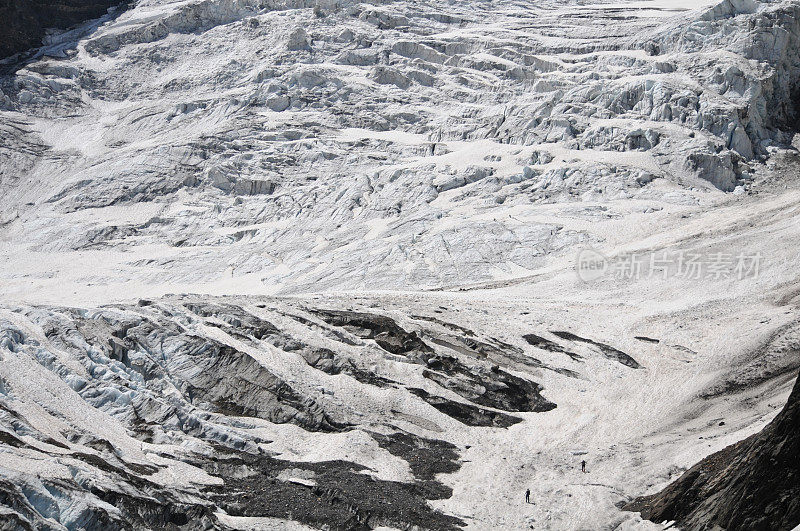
{"x": 25, "y": 21}
{"x": 751, "y": 485}
{"x": 134, "y": 394}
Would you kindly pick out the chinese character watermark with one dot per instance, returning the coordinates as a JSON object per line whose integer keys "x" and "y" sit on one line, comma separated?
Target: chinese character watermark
{"x": 591, "y": 264}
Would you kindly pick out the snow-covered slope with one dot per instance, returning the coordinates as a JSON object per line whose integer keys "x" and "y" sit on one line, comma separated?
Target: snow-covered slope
{"x": 435, "y": 410}
{"x": 277, "y": 261}
{"x": 277, "y": 147}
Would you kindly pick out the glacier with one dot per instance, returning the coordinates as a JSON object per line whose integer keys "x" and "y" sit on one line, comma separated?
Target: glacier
{"x": 291, "y": 264}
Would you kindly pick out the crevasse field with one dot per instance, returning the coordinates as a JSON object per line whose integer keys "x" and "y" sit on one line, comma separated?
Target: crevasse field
{"x": 283, "y": 264}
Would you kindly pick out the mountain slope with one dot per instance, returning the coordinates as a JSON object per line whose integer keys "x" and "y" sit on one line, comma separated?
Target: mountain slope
{"x": 280, "y": 264}
{"x": 751, "y": 485}
{"x": 282, "y": 149}
{"x": 25, "y": 21}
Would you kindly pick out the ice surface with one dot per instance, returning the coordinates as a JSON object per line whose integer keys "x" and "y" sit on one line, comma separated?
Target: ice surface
{"x": 414, "y": 179}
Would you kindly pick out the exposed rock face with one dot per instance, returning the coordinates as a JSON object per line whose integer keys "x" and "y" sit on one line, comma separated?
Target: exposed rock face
{"x": 25, "y": 21}
{"x": 751, "y": 485}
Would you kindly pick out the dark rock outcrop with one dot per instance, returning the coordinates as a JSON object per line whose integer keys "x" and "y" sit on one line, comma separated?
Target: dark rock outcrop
{"x": 751, "y": 485}
{"x": 607, "y": 350}
{"x": 468, "y": 414}
{"x": 336, "y": 495}
{"x": 481, "y": 384}
{"x": 386, "y": 333}
{"x": 25, "y": 21}
{"x": 185, "y": 379}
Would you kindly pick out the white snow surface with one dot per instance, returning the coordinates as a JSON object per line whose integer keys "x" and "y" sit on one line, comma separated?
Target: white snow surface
{"x": 423, "y": 160}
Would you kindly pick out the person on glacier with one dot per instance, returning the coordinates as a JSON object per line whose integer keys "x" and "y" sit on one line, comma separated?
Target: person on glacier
{"x": 583, "y": 466}
{"x": 528, "y": 496}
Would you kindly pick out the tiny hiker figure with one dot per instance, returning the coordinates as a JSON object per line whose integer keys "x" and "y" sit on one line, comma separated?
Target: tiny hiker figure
{"x": 583, "y": 466}
{"x": 528, "y": 496}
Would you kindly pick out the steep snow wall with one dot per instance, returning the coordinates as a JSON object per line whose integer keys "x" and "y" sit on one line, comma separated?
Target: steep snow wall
{"x": 763, "y": 87}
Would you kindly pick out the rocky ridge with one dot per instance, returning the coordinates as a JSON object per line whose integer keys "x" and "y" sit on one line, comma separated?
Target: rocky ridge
{"x": 752, "y": 484}
{"x": 124, "y": 397}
